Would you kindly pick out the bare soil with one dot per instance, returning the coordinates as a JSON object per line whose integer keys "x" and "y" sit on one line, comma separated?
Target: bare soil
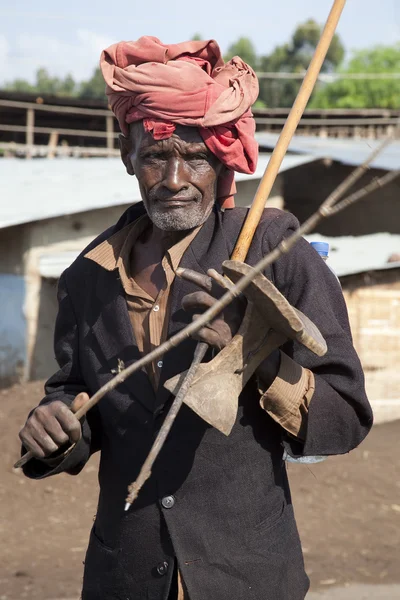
{"x": 347, "y": 508}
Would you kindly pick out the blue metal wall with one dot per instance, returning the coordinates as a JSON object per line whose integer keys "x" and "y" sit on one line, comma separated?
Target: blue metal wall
{"x": 12, "y": 327}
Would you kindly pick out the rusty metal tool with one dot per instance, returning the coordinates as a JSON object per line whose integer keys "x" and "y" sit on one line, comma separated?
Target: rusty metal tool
{"x": 269, "y": 321}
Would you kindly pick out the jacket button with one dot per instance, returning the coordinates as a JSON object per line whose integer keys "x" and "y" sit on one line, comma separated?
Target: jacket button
{"x": 168, "y": 501}
{"x": 162, "y": 568}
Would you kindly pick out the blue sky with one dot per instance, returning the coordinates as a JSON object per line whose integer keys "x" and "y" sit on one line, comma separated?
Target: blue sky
{"x": 68, "y": 37}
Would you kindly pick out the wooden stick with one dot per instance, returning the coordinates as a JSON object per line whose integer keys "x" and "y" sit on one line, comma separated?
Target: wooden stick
{"x": 251, "y": 223}
{"x": 145, "y": 471}
{"x": 268, "y": 179}
{"x": 326, "y": 209}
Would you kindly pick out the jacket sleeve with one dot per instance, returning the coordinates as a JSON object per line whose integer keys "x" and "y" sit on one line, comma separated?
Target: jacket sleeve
{"x": 339, "y": 414}
{"x": 64, "y": 385}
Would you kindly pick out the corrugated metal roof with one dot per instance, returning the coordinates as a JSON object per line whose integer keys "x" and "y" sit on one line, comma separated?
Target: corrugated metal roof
{"x": 347, "y": 151}
{"x": 357, "y": 254}
{"x": 348, "y": 255}
{"x": 33, "y": 190}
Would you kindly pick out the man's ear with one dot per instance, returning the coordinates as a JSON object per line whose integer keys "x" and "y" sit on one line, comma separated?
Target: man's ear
{"x": 125, "y": 147}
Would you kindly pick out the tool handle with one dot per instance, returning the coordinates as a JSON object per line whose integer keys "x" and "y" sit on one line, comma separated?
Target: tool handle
{"x": 268, "y": 179}
{"x": 76, "y": 406}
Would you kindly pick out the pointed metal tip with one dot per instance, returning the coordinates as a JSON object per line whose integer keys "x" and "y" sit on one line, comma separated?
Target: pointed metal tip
{"x": 127, "y": 506}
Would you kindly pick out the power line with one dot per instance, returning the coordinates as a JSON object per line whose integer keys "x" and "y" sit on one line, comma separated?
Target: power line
{"x": 329, "y": 77}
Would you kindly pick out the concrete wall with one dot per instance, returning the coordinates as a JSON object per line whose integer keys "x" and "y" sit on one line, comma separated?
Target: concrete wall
{"x": 12, "y": 328}
{"x": 305, "y": 188}
{"x": 28, "y": 303}
{"x": 373, "y": 302}
{"x": 246, "y": 191}
{"x": 12, "y": 300}
{"x": 68, "y": 233}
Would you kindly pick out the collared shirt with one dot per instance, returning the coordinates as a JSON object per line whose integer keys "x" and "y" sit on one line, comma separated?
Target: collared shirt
{"x": 149, "y": 316}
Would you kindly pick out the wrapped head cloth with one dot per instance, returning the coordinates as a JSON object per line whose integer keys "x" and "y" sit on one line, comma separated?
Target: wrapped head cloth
{"x": 186, "y": 84}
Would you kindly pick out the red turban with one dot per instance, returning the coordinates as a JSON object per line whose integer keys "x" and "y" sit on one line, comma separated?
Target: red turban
{"x": 186, "y": 84}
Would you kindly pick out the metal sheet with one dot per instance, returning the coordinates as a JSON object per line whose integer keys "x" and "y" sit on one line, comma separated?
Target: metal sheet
{"x": 34, "y": 190}
{"x": 347, "y": 151}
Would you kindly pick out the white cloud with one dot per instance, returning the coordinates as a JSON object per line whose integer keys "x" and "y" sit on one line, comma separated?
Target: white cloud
{"x": 21, "y": 57}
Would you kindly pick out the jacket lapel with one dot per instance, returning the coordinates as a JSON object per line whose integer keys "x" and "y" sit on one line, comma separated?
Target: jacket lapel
{"x": 114, "y": 334}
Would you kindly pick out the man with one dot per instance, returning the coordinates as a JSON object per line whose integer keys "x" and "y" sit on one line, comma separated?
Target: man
{"x": 215, "y": 520}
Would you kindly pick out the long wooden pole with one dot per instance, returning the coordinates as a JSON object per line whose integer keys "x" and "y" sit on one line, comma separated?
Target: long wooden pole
{"x": 240, "y": 251}
{"x": 268, "y": 179}
{"x": 248, "y": 230}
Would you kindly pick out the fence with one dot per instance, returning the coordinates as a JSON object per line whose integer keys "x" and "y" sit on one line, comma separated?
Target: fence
{"x": 40, "y": 129}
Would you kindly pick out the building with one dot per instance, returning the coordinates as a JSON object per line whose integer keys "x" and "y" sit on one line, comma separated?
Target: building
{"x": 369, "y": 271}
{"x": 305, "y": 189}
{"x": 49, "y": 211}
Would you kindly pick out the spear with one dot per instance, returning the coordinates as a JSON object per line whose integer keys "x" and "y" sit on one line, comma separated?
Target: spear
{"x": 239, "y": 253}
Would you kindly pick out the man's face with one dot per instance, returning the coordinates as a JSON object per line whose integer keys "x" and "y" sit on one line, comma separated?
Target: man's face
{"x": 177, "y": 176}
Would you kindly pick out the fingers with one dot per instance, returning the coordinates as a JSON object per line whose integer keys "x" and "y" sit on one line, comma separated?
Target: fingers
{"x": 197, "y": 301}
{"x": 37, "y": 448}
{"x": 216, "y": 334}
{"x": 69, "y": 423}
{"x": 49, "y": 428}
{"x": 35, "y": 438}
{"x": 203, "y": 281}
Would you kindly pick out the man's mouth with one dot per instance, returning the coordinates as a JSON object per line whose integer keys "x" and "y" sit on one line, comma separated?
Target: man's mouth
{"x": 176, "y": 202}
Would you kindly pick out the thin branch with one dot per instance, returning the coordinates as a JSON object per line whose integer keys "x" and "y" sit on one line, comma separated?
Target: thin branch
{"x": 368, "y": 189}
{"x": 324, "y": 211}
{"x": 328, "y": 208}
{"x": 145, "y": 471}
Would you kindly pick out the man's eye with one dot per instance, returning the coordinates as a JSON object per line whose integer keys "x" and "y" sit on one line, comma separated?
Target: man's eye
{"x": 152, "y": 156}
{"x": 198, "y": 157}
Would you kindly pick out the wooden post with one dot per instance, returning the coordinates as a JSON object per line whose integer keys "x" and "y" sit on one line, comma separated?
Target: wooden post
{"x": 53, "y": 141}
{"x": 29, "y": 131}
{"x": 110, "y": 134}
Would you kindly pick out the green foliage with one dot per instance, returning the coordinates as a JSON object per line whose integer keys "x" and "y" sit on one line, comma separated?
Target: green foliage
{"x": 197, "y": 37}
{"x": 45, "y": 84}
{"x": 295, "y": 57}
{"x": 94, "y": 87}
{"x": 364, "y": 93}
{"x": 55, "y": 86}
{"x": 245, "y": 49}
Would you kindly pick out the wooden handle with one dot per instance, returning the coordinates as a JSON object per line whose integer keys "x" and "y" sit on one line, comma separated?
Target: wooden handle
{"x": 79, "y": 401}
{"x": 268, "y": 179}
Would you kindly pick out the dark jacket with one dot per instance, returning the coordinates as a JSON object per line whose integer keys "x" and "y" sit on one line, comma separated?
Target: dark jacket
{"x": 220, "y": 505}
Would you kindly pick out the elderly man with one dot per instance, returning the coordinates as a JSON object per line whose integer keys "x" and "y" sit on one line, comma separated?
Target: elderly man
{"x": 215, "y": 520}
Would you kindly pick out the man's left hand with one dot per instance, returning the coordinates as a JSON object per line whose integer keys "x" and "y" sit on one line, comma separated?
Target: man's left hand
{"x": 219, "y": 332}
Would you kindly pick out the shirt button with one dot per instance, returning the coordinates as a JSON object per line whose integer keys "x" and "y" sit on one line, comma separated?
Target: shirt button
{"x": 160, "y": 364}
{"x": 168, "y": 501}
{"x": 162, "y": 568}
{"x": 156, "y": 308}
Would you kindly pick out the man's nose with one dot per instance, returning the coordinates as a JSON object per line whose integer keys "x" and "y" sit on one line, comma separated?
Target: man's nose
{"x": 174, "y": 179}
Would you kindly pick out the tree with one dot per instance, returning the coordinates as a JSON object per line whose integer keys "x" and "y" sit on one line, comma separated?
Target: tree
{"x": 295, "y": 57}
{"x": 244, "y": 48}
{"x": 95, "y": 87}
{"x": 197, "y": 37}
{"x": 364, "y": 93}
{"x": 45, "y": 84}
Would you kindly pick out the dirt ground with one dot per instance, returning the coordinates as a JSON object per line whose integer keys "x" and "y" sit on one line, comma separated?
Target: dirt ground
{"x": 348, "y": 512}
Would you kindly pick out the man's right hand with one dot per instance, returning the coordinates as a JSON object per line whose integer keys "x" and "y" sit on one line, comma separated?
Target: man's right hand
{"x": 51, "y": 426}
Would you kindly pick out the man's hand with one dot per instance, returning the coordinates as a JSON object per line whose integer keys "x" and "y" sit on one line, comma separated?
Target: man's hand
{"x": 51, "y": 426}
{"x": 219, "y": 332}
